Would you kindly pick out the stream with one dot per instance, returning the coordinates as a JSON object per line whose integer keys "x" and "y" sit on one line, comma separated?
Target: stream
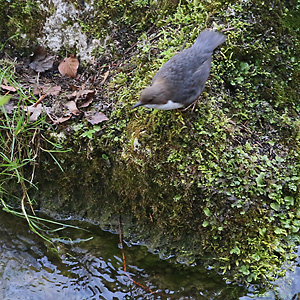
{"x": 89, "y": 264}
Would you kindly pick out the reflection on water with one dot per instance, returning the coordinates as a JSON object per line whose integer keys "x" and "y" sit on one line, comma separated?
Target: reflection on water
{"x": 286, "y": 288}
{"x": 94, "y": 269}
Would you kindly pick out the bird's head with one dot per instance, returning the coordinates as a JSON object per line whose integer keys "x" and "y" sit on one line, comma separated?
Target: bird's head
{"x": 157, "y": 93}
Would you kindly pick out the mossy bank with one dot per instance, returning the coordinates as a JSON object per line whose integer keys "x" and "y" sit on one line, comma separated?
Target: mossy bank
{"x": 219, "y": 182}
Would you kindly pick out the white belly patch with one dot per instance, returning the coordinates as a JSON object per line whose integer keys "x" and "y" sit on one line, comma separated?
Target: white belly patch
{"x": 168, "y": 106}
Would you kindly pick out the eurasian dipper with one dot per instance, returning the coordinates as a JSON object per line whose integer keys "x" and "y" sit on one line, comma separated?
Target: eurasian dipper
{"x": 180, "y": 81}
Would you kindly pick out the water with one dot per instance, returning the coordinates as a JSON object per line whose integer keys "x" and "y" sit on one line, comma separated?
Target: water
{"x": 94, "y": 269}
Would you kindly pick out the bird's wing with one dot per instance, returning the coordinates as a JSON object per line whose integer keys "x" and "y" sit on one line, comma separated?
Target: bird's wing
{"x": 202, "y": 73}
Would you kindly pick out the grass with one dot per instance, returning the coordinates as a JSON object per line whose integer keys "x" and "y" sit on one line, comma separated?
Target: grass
{"x": 21, "y": 143}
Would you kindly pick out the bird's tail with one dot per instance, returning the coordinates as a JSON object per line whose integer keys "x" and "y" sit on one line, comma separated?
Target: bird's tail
{"x": 208, "y": 40}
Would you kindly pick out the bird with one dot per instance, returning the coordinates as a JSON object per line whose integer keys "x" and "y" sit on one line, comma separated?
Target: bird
{"x": 180, "y": 81}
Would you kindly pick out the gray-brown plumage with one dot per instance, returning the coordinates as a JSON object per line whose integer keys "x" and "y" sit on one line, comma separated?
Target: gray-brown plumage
{"x": 180, "y": 81}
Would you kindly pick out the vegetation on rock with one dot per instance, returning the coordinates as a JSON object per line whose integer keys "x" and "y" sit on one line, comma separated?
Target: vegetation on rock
{"x": 219, "y": 181}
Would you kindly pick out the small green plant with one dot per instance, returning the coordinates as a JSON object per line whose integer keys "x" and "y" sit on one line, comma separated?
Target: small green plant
{"x": 232, "y": 163}
{"x": 21, "y": 143}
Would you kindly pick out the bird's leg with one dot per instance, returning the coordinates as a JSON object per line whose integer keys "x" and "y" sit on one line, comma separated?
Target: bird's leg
{"x": 193, "y": 104}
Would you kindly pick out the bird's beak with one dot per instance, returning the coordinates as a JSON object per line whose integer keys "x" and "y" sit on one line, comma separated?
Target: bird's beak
{"x": 136, "y": 105}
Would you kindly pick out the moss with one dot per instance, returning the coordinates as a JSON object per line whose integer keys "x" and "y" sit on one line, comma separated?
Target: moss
{"x": 19, "y": 18}
{"x": 118, "y": 23}
{"x": 223, "y": 179}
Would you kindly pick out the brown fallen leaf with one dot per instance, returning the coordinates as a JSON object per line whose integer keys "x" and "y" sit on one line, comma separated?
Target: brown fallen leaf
{"x": 41, "y": 61}
{"x": 62, "y": 119}
{"x": 71, "y": 105}
{"x": 86, "y": 103}
{"x": 47, "y": 89}
{"x": 9, "y": 107}
{"x": 72, "y": 96}
{"x": 74, "y": 87}
{"x": 85, "y": 94}
{"x": 35, "y": 112}
{"x": 95, "y": 118}
{"x": 8, "y": 88}
{"x": 69, "y": 66}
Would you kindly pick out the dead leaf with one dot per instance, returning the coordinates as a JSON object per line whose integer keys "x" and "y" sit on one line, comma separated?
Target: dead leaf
{"x": 105, "y": 77}
{"x": 84, "y": 94}
{"x": 74, "y": 87}
{"x": 7, "y": 104}
{"x": 72, "y": 96}
{"x": 9, "y": 107}
{"x": 41, "y": 61}
{"x": 95, "y": 118}
{"x": 47, "y": 89}
{"x": 35, "y": 110}
{"x": 71, "y": 105}
{"x": 8, "y": 88}
{"x": 86, "y": 103}
{"x": 62, "y": 119}
{"x": 69, "y": 66}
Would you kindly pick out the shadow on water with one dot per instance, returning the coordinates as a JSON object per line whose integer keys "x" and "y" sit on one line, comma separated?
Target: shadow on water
{"x": 94, "y": 269}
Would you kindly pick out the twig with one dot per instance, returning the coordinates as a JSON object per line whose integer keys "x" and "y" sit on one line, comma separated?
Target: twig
{"x": 227, "y": 29}
{"x": 40, "y": 100}
{"x": 124, "y": 260}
